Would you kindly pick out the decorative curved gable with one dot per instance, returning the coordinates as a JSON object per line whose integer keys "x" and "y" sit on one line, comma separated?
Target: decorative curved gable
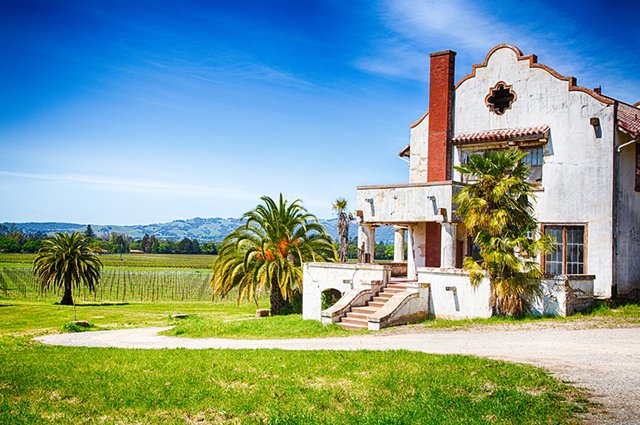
{"x": 415, "y": 124}
{"x": 533, "y": 63}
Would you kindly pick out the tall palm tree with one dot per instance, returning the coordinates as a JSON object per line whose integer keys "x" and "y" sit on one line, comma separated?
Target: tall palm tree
{"x": 267, "y": 251}
{"x": 497, "y": 210}
{"x": 340, "y": 207}
{"x": 67, "y": 260}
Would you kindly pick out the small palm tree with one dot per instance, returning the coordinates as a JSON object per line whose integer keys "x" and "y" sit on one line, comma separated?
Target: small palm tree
{"x": 340, "y": 207}
{"x": 497, "y": 211}
{"x": 67, "y": 260}
{"x": 267, "y": 252}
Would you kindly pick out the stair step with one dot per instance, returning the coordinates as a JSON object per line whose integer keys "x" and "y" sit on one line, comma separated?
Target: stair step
{"x": 385, "y": 295}
{"x": 364, "y": 310}
{"x": 354, "y": 321}
{"x": 376, "y": 304}
{"x": 351, "y": 326}
{"x": 393, "y": 291}
{"x": 380, "y": 299}
{"x": 398, "y": 285}
{"x": 357, "y": 315}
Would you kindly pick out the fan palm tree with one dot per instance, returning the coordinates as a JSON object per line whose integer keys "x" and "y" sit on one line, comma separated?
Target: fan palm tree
{"x": 340, "y": 207}
{"x": 67, "y": 260}
{"x": 267, "y": 251}
{"x": 498, "y": 212}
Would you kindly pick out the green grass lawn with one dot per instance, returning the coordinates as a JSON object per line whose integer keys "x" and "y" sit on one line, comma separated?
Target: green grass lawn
{"x": 42, "y": 384}
{"x": 225, "y": 319}
{"x": 291, "y": 326}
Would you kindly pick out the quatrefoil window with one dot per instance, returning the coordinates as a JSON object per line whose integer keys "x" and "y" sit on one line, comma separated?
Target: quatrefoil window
{"x": 500, "y": 98}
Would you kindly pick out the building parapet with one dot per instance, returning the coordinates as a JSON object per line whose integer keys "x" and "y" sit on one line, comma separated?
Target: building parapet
{"x": 408, "y": 203}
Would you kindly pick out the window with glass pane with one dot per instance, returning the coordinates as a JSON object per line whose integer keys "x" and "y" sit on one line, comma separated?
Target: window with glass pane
{"x": 568, "y": 258}
{"x": 534, "y": 160}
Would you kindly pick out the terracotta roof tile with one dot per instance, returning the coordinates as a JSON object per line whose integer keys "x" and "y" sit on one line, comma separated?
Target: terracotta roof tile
{"x": 629, "y": 118}
{"x": 502, "y": 135}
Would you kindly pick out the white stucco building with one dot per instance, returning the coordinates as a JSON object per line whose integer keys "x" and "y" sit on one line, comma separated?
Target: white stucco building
{"x": 585, "y": 160}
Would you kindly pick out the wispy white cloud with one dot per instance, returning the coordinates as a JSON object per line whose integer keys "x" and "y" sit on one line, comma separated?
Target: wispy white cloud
{"x": 472, "y": 28}
{"x": 418, "y": 28}
{"x": 229, "y": 69}
{"x": 135, "y": 186}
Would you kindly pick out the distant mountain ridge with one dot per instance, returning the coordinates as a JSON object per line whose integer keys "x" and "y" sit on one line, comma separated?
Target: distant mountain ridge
{"x": 203, "y": 229}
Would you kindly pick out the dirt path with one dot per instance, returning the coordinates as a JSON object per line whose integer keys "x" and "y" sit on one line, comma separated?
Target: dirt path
{"x": 604, "y": 361}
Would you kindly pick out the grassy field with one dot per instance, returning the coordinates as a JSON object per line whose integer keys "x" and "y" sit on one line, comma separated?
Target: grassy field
{"x": 223, "y": 318}
{"x": 135, "y": 277}
{"x": 42, "y": 384}
{"x": 129, "y": 261}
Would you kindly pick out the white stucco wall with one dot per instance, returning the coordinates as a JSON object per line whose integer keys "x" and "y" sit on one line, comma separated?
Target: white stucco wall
{"x": 628, "y": 223}
{"x": 419, "y": 153}
{"x": 419, "y": 243}
{"x": 577, "y": 170}
{"x": 465, "y": 301}
{"x": 318, "y": 277}
{"x": 453, "y": 297}
{"x": 406, "y": 203}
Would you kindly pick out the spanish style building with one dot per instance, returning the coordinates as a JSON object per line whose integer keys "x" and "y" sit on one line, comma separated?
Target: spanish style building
{"x": 585, "y": 163}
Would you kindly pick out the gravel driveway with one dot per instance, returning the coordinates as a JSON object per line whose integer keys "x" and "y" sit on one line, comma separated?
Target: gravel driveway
{"x": 604, "y": 361}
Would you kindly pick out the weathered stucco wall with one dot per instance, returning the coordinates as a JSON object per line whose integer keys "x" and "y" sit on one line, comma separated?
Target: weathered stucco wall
{"x": 406, "y": 203}
{"x": 577, "y": 171}
{"x": 627, "y": 248}
{"x": 419, "y": 243}
{"x": 318, "y": 277}
{"x": 419, "y": 154}
{"x": 564, "y": 296}
{"x": 452, "y": 296}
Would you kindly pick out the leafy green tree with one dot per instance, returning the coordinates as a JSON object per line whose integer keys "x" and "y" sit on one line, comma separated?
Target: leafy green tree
{"x": 185, "y": 246}
{"x": 498, "y": 212}
{"x": 136, "y": 245}
{"x": 195, "y": 247}
{"x": 209, "y": 248}
{"x": 9, "y": 244}
{"x": 166, "y": 247}
{"x": 32, "y": 245}
{"x": 353, "y": 247}
{"x": 89, "y": 233}
{"x": 68, "y": 261}
{"x": 267, "y": 252}
{"x": 340, "y": 207}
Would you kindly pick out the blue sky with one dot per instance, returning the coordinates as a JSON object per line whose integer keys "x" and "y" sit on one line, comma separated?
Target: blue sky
{"x": 135, "y": 112}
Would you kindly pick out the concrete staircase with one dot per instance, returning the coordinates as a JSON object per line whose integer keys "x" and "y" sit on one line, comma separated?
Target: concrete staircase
{"x": 358, "y": 317}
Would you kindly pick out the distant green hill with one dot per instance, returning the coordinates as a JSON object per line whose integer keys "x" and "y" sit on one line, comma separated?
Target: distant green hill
{"x": 202, "y": 229}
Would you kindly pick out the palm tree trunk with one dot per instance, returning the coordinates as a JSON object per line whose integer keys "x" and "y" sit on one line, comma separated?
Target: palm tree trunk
{"x": 67, "y": 298}
{"x": 276, "y": 299}
{"x": 343, "y": 231}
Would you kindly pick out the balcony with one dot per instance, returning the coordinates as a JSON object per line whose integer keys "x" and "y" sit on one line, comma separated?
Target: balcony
{"x": 408, "y": 203}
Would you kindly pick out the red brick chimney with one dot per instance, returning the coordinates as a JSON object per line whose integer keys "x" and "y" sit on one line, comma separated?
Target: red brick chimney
{"x": 441, "y": 89}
